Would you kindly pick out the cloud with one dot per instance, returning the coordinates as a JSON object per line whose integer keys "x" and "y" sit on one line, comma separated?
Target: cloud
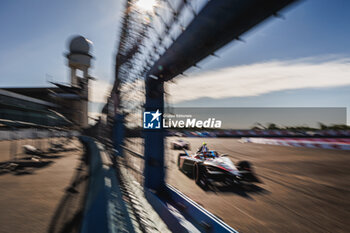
{"x": 99, "y": 91}
{"x": 261, "y": 78}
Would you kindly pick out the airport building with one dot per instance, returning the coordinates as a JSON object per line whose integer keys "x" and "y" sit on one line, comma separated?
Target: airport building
{"x": 60, "y": 105}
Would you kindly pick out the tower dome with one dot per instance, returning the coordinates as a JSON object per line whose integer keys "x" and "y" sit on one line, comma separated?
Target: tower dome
{"x": 79, "y": 44}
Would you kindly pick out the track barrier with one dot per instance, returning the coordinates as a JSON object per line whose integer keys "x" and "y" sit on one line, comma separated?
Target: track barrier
{"x": 105, "y": 210}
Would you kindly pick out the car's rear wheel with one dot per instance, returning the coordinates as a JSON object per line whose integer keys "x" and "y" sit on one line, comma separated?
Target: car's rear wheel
{"x": 244, "y": 165}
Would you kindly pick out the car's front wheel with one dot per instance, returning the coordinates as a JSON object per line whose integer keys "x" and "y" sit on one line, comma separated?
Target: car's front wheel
{"x": 199, "y": 176}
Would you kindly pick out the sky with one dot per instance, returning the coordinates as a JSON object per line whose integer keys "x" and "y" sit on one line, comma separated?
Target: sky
{"x": 301, "y": 60}
{"x": 35, "y": 34}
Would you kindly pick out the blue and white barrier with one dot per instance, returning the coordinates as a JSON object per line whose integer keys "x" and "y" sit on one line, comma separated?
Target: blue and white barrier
{"x": 105, "y": 210}
{"x": 182, "y": 214}
{"x": 320, "y": 143}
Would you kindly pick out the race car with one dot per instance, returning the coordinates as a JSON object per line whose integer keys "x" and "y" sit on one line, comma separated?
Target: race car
{"x": 209, "y": 167}
{"x": 180, "y": 144}
{"x": 31, "y": 150}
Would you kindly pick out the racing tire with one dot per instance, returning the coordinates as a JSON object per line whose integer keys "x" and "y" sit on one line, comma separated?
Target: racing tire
{"x": 250, "y": 177}
{"x": 242, "y": 165}
{"x": 178, "y": 160}
{"x": 199, "y": 176}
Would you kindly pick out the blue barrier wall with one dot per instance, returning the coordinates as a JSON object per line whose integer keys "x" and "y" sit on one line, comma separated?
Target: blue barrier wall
{"x": 105, "y": 210}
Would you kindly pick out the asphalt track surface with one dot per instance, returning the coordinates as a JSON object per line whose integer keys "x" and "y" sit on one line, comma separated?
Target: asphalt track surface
{"x": 10, "y": 150}
{"x": 303, "y": 189}
{"x": 37, "y": 195}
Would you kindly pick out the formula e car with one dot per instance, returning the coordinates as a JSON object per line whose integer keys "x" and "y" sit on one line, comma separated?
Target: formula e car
{"x": 180, "y": 144}
{"x": 209, "y": 167}
{"x": 31, "y": 150}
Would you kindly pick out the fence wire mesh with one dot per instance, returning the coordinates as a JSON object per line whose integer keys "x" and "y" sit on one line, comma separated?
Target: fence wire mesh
{"x": 147, "y": 31}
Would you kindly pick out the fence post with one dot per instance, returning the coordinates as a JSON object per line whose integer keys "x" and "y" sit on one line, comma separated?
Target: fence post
{"x": 118, "y": 133}
{"x": 13, "y": 150}
{"x": 154, "y": 138}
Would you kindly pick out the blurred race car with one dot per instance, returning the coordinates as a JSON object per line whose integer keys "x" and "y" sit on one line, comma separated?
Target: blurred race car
{"x": 31, "y": 150}
{"x": 180, "y": 144}
{"x": 208, "y": 167}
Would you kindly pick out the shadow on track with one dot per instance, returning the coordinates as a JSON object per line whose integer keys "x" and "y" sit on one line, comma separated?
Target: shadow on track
{"x": 244, "y": 191}
{"x": 69, "y": 213}
{"x": 23, "y": 166}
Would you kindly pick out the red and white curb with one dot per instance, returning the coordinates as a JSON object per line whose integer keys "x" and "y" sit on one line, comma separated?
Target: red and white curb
{"x": 327, "y": 143}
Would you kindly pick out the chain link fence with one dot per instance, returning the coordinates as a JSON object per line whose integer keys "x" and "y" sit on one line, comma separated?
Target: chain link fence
{"x": 144, "y": 37}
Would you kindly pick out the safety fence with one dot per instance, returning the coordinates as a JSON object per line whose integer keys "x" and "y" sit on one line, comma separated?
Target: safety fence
{"x": 145, "y": 36}
{"x": 157, "y": 45}
{"x": 154, "y": 47}
{"x": 104, "y": 210}
{"x": 114, "y": 202}
{"x": 134, "y": 159}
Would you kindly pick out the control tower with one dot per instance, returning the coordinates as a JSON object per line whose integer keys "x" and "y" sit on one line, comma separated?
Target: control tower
{"x": 79, "y": 59}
